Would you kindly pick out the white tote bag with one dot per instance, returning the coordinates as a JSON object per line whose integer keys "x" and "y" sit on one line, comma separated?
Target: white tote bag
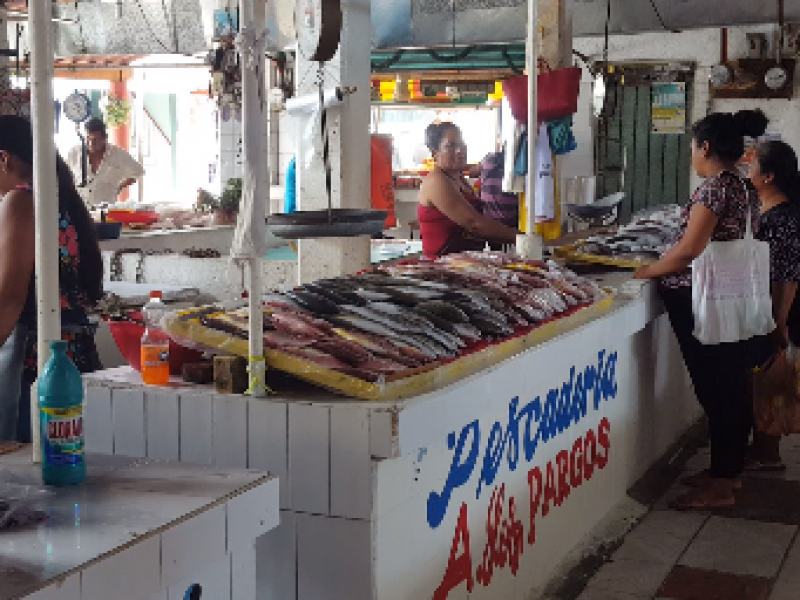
{"x": 731, "y": 298}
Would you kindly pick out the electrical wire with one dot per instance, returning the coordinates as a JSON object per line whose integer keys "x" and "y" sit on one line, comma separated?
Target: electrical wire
{"x": 80, "y": 27}
{"x": 660, "y": 19}
{"x": 150, "y": 28}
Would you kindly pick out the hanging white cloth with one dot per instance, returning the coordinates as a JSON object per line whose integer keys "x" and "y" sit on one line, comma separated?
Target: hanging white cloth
{"x": 249, "y": 238}
{"x": 545, "y": 209}
{"x": 511, "y": 137}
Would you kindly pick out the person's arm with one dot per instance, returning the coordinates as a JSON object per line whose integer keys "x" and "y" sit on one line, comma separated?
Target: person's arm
{"x": 17, "y": 251}
{"x": 783, "y": 293}
{"x": 125, "y": 183}
{"x": 441, "y": 193}
{"x": 699, "y": 230}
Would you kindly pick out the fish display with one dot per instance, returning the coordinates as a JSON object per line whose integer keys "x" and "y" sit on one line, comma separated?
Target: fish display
{"x": 393, "y": 320}
{"x": 645, "y": 239}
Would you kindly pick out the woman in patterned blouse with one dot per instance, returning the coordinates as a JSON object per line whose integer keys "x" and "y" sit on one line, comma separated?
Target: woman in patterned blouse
{"x": 80, "y": 275}
{"x": 718, "y": 211}
{"x": 775, "y": 176}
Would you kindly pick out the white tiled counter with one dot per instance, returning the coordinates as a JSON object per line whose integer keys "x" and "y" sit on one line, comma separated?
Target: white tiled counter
{"x": 140, "y": 530}
{"x": 390, "y": 500}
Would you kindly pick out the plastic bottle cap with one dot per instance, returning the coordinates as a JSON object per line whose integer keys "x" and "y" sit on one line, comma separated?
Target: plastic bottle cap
{"x": 58, "y": 345}
{"x": 155, "y": 294}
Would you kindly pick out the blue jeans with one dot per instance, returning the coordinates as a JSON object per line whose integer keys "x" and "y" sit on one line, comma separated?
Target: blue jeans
{"x": 12, "y": 361}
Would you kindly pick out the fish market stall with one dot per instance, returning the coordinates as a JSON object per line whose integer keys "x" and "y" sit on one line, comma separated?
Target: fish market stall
{"x": 531, "y": 439}
{"x": 133, "y": 526}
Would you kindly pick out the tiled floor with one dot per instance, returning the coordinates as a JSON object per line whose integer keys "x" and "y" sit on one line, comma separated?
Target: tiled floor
{"x": 748, "y": 552}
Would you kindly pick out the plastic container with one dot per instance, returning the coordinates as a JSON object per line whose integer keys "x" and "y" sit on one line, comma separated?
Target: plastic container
{"x": 128, "y": 337}
{"x": 60, "y": 390}
{"x": 155, "y": 343}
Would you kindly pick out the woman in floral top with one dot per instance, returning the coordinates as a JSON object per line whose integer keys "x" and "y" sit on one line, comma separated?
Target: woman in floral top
{"x": 80, "y": 275}
{"x": 774, "y": 174}
{"x": 718, "y": 211}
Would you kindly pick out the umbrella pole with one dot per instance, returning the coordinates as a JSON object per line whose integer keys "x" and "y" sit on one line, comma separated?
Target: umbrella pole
{"x": 45, "y": 194}
{"x": 529, "y": 245}
{"x": 252, "y": 126}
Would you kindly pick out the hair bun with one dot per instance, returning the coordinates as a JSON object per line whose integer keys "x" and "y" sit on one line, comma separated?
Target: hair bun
{"x": 751, "y": 123}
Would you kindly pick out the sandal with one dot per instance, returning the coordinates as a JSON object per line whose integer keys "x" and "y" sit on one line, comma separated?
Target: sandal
{"x": 701, "y": 479}
{"x": 703, "y": 499}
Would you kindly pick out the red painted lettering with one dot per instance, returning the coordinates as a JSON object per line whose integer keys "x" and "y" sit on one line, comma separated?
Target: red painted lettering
{"x": 534, "y": 474}
{"x": 576, "y": 463}
{"x": 52, "y": 430}
{"x": 604, "y": 439}
{"x": 504, "y": 538}
{"x": 514, "y": 537}
{"x": 78, "y": 427}
{"x": 458, "y": 568}
{"x": 494, "y": 554}
{"x": 562, "y": 460}
{"x": 550, "y": 493}
{"x": 589, "y": 454}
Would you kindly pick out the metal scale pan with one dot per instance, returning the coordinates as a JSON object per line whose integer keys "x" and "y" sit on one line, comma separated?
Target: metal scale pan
{"x": 318, "y": 24}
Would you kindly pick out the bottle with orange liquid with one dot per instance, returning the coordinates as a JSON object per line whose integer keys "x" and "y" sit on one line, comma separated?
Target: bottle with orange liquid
{"x": 155, "y": 343}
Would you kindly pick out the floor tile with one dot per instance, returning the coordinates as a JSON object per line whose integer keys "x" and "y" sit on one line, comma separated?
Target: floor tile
{"x": 773, "y": 500}
{"x": 595, "y": 594}
{"x": 790, "y": 571}
{"x": 626, "y": 576}
{"x": 785, "y": 590}
{"x": 661, "y": 537}
{"x": 739, "y": 546}
{"x": 685, "y": 583}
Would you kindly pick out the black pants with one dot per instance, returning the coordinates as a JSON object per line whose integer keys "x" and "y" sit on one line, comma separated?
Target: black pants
{"x": 722, "y": 378}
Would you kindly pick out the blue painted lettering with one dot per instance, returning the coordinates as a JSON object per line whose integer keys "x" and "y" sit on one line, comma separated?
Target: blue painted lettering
{"x": 563, "y": 407}
{"x": 460, "y": 472}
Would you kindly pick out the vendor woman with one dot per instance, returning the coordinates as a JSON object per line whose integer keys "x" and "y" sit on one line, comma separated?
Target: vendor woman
{"x": 80, "y": 275}
{"x": 449, "y": 210}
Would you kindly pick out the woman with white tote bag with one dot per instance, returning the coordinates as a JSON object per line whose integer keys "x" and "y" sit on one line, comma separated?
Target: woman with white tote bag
{"x": 730, "y": 304}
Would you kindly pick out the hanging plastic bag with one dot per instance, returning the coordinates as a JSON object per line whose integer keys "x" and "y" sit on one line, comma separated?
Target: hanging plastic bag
{"x": 562, "y": 140}
{"x": 731, "y": 298}
{"x": 382, "y": 184}
{"x": 776, "y": 394}
{"x": 521, "y": 159}
{"x": 545, "y": 208}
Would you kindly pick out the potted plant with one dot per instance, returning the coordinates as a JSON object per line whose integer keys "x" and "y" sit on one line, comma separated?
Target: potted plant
{"x": 117, "y": 112}
{"x": 229, "y": 201}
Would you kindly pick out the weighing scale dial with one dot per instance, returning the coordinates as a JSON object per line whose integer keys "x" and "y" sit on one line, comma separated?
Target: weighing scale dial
{"x": 77, "y": 107}
{"x": 776, "y": 78}
{"x": 318, "y": 25}
{"x": 720, "y": 76}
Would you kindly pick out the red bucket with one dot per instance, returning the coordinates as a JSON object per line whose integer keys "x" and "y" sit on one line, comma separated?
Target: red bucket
{"x": 128, "y": 336}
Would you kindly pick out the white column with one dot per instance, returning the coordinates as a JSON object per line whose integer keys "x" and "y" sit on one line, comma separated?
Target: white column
{"x": 529, "y": 245}
{"x": 348, "y": 128}
{"x": 46, "y": 189}
{"x": 252, "y": 137}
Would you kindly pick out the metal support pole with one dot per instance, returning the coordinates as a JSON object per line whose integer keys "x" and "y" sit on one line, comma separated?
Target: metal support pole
{"x": 529, "y": 245}
{"x": 252, "y": 134}
{"x": 45, "y": 192}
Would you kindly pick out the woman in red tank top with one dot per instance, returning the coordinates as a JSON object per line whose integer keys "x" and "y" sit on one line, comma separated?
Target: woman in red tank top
{"x": 448, "y": 212}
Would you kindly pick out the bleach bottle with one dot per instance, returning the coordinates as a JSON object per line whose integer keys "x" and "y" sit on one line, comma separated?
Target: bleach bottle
{"x": 60, "y": 391}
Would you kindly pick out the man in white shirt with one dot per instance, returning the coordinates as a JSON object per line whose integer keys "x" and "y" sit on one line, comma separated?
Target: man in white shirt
{"x": 109, "y": 168}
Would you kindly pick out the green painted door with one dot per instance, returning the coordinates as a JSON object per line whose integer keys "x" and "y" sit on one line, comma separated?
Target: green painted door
{"x": 652, "y": 169}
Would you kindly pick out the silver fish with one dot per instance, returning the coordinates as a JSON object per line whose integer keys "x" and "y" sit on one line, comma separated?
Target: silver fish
{"x": 362, "y": 324}
{"x": 394, "y": 322}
